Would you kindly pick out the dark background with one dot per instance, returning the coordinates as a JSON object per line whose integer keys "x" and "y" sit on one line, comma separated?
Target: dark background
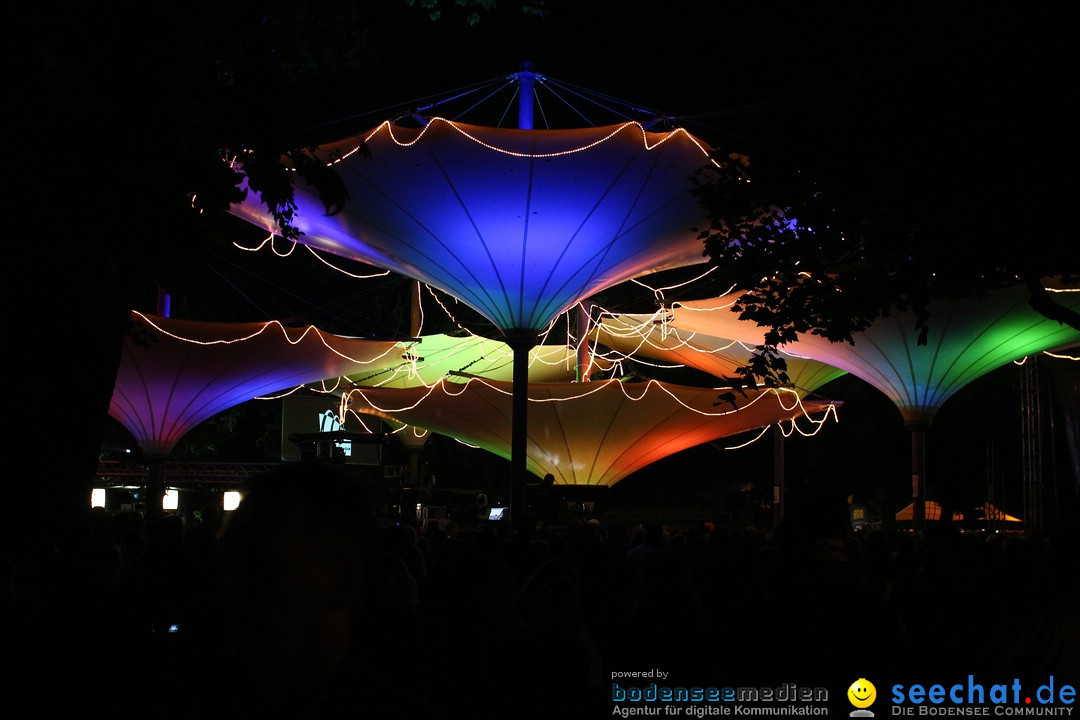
{"x": 957, "y": 112}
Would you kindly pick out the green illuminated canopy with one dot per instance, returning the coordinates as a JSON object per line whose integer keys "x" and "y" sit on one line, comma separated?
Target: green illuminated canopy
{"x": 967, "y": 338}
{"x": 430, "y": 358}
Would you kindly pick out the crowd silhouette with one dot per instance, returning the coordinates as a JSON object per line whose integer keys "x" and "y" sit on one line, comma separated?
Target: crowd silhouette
{"x": 305, "y": 603}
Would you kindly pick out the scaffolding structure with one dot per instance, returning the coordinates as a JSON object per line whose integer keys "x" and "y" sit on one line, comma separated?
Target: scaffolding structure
{"x": 1031, "y": 444}
{"x": 181, "y": 473}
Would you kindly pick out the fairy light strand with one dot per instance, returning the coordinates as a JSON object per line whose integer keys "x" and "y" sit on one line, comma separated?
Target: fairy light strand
{"x": 797, "y": 409}
{"x": 663, "y": 138}
{"x": 265, "y": 327}
{"x": 586, "y": 389}
{"x": 270, "y": 240}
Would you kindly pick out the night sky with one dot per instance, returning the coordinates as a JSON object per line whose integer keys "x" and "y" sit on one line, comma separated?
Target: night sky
{"x": 957, "y": 111}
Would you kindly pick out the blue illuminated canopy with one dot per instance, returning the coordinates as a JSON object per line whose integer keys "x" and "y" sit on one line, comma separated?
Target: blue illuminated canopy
{"x": 518, "y": 224}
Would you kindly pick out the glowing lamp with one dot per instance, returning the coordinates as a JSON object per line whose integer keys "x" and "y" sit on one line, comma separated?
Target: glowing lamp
{"x": 230, "y": 500}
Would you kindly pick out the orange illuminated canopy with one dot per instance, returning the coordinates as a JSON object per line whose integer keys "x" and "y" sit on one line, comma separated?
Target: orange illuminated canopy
{"x": 988, "y": 512}
{"x": 593, "y": 433}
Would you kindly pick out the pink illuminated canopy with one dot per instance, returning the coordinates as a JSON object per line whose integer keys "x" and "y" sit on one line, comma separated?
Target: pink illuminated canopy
{"x": 652, "y": 336}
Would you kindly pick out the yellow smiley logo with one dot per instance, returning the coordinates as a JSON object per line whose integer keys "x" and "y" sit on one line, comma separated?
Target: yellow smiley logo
{"x": 862, "y": 693}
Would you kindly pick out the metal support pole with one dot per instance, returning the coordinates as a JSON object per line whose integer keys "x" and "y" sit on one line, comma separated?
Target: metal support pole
{"x": 584, "y": 357}
{"x": 778, "y": 475}
{"x": 521, "y": 342}
{"x": 1031, "y": 444}
{"x": 415, "y": 312}
{"x": 918, "y": 475}
{"x": 526, "y": 82}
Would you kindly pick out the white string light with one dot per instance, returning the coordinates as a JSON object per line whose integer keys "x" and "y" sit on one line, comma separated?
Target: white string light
{"x": 642, "y": 334}
{"x": 292, "y": 247}
{"x": 787, "y": 426}
{"x": 269, "y": 240}
{"x": 661, "y": 139}
{"x": 752, "y": 440}
{"x": 280, "y": 395}
{"x": 658, "y": 293}
{"x": 343, "y": 271}
{"x": 586, "y": 389}
{"x": 264, "y": 327}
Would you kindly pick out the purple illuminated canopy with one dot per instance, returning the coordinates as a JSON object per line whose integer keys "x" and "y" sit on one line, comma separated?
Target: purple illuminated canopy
{"x": 174, "y": 374}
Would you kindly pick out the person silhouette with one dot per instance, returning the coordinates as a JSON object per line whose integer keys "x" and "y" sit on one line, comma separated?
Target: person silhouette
{"x": 295, "y": 555}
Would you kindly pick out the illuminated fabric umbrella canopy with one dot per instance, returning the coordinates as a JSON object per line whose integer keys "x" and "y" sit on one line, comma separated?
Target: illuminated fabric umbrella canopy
{"x": 967, "y": 339}
{"x": 988, "y": 512}
{"x": 519, "y": 224}
{"x": 650, "y": 336}
{"x": 594, "y": 433}
{"x": 174, "y": 374}
{"x": 430, "y": 358}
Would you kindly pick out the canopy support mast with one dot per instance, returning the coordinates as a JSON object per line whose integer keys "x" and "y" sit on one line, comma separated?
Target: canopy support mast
{"x": 521, "y": 341}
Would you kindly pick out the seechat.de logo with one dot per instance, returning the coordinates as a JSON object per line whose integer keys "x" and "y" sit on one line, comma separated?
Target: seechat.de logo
{"x": 1014, "y": 698}
{"x": 862, "y": 694}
